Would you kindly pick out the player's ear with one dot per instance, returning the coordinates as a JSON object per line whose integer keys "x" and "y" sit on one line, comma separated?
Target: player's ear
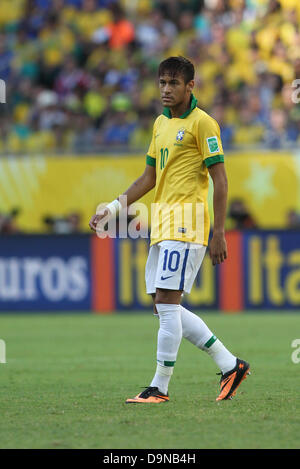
{"x": 190, "y": 85}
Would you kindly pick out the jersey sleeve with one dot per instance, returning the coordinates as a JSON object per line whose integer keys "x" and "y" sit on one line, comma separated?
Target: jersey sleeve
{"x": 151, "y": 153}
{"x": 209, "y": 141}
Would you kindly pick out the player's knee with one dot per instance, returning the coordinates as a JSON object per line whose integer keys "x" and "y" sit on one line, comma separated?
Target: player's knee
{"x": 154, "y": 307}
{"x": 167, "y": 296}
{"x": 160, "y": 297}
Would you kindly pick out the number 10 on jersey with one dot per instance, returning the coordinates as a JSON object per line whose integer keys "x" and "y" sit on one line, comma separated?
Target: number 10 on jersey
{"x": 164, "y": 153}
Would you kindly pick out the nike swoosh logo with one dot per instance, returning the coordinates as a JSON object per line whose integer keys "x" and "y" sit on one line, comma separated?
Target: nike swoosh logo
{"x": 165, "y": 278}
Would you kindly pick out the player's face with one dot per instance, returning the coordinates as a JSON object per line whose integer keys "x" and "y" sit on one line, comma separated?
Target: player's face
{"x": 174, "y": 90}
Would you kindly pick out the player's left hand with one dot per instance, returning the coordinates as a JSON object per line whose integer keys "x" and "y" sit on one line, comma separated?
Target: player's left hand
{"x": 218, "y": 248}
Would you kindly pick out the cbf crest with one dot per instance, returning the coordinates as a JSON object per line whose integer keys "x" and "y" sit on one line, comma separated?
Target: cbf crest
{"x": 180, "y": 135}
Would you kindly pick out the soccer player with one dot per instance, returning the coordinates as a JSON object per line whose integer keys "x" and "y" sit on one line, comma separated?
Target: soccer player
{"x": 185, "y": 148}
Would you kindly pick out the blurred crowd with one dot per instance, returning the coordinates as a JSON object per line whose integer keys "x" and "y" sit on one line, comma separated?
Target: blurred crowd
{"x": 239, "y": 217}
{"x": 66, "y": 224}
{"x": 82, "y": 74}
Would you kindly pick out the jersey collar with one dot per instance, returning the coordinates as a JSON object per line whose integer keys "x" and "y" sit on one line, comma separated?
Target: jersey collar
{"x": 167, "y": 112}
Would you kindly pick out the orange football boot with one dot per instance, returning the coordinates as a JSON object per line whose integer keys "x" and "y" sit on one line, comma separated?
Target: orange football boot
{"x": 150, "y": 395}
{"x": 231, "y": 380}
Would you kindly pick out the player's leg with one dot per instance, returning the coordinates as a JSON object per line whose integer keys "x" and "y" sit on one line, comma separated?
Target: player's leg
{"x": 194, "y": 329}
{"x": 198, "y": 333}
{"x": 233, "y": 369}
{"x": 169, "y": 336}
{"x": 169, "y": 282}
{"x": 175, "y": 265}
{"x": 167, "y": 303}
{"x": 167, "y": 308}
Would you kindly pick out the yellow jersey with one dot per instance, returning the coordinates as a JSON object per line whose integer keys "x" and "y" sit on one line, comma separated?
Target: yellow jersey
{"x": 181, "y": 150}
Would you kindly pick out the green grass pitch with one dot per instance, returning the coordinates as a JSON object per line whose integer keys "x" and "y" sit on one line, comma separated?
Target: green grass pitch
{"x": 67, "y": 377}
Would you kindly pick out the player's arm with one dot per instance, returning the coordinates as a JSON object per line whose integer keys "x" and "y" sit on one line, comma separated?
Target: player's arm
{"x": 140, "y": 187}
{"x": 217, "y": 245}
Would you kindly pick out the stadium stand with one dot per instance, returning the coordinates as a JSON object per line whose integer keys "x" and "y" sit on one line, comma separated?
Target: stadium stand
{"x": 81, "y": 75}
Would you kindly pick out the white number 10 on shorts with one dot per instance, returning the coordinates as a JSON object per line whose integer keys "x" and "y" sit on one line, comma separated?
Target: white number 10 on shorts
{"x": 173, "y": 265}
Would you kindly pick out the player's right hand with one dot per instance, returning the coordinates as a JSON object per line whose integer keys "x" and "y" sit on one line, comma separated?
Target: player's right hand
{"x": 104, "y": 213}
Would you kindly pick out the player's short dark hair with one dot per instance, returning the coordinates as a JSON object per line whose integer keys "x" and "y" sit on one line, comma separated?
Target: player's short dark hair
{"x": 177, "y": 66}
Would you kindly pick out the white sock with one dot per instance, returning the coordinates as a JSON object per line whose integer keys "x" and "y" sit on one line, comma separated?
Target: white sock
{"x": 162, "y": 377}
{"x": 196, "y": 331}
{"x": 168, "y": 342}
{"x": 221, "y": 356}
